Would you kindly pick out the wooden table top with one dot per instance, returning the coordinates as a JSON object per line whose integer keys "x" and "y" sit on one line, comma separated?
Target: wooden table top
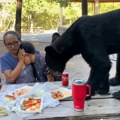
{"x": 99, "y": 107}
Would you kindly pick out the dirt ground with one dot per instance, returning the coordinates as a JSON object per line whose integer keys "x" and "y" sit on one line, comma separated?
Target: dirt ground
{"x": 76, "y": 67}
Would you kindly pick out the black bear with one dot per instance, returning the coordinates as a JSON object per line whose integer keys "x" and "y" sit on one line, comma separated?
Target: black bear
{"x": 95, "y": 38}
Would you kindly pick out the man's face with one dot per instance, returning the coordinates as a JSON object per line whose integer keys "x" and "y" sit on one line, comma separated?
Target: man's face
{"x": 29, "y": 58}
{"x": 12, "y": 43}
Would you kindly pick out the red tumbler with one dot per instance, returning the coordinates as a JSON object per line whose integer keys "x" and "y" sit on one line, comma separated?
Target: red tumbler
{"x": 79, "y": 93}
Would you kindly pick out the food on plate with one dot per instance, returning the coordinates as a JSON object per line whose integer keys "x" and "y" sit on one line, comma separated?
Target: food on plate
{"x": 31, "y": 104}
{"x": 57, "y": 94}
{"x": 3, "y": 111}
{"x": 20, "y": 92}
{"x": 61, "y": 93}
{"x": 10, "y": 97}
{"x": 17, "y": 93}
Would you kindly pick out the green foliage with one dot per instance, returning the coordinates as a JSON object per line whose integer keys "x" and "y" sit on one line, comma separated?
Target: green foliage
{"x": 109, "y": 6}
{"x": 41, "y": 12}
{"x": 1, "y": 7}
{"x": 63, "y": 3}
{"x": 7, "y": 14}
{"x": 44, "y": 14}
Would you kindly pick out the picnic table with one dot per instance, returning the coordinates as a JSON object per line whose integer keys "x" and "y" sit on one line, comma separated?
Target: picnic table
{"x": 98, "y": 108}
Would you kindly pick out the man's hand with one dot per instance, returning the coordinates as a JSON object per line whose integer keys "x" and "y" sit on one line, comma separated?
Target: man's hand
{"x": 21, "y": 55}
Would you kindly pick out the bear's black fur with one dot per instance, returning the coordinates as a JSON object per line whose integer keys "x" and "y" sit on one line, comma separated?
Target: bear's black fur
{"x": 95, "y": 37}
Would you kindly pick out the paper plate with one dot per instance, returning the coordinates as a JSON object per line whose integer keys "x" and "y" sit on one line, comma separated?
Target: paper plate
{"x": 61, "y": 93}
{"x": 29, "y": 105}
{"x": 17, "y": 93}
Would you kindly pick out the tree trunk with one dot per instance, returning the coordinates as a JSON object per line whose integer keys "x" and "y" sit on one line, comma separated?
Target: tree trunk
{"x": 18, "y": 17}
{"x": 31, "y": 24}
{"x": 84, "y": 7}
{"x": 60, "y": 23}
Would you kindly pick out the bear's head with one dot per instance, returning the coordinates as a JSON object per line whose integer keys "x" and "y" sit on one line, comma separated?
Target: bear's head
{"x": 55, "y": 60}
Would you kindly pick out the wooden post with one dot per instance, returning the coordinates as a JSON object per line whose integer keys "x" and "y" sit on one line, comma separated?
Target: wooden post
{"x": 84, "y": 7}
{"x": 96, "y": 7}
{"x": 60, "y": 18}
{"x": 18, "y": 17}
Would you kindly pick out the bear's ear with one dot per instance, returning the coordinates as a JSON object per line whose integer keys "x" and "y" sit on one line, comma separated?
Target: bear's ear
{"x": 52, "y": 50}
{"x": 49, "y": 49}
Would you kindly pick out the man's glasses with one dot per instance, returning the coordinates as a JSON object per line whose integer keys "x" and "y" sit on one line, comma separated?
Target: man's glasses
{"x": 14, "y": 43}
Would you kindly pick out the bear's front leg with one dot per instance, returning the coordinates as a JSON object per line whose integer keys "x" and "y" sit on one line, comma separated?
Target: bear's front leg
{"x": 104, "y": 86}
{"x": 116, "y": 80}
{"x": 99, "y": 75}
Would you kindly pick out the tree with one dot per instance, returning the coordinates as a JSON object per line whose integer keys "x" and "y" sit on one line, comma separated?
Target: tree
{"x": 18, "y": 17}
{"x": 63, "y": 3}
{"x": 84, "y": 7}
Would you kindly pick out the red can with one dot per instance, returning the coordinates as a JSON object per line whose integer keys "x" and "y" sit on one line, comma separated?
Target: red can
{"x": 65, "y": 79}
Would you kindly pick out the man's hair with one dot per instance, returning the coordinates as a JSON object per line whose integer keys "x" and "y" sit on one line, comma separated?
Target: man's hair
{"x": 27, "y": 47}
{"x": 55, "y": 36}
{"x": 13, "y": 33}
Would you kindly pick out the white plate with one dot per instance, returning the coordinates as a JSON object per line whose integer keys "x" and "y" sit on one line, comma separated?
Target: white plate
{"x": 17, "y": 93}
{"x": 19, "y": 106}
{"x": 61, "y": 93}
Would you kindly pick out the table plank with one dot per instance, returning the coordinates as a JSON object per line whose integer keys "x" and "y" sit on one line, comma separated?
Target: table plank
{"x": 11, "y": 116}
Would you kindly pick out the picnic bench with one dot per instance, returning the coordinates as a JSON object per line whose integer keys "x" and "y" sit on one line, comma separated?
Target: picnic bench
{"x": 103, "y": 107}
